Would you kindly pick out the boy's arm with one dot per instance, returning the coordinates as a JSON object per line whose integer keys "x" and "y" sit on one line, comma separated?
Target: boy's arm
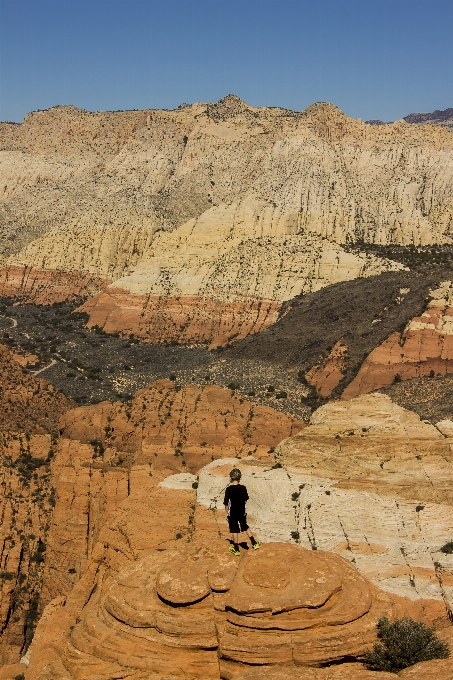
{"x": 226, "y": 501}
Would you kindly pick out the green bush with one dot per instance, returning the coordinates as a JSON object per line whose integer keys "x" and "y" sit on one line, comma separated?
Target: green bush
{"x": 403, "y": 643}
{"x": 447, "y": 549}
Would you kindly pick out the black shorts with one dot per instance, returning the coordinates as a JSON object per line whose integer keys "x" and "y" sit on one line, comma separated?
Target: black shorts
{"x": 238, "y": 524}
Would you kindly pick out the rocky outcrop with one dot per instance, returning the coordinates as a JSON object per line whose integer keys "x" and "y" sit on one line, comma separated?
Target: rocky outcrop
{"x": 424, "y": 348}
{"x": 26, "y": 503}
{"x": 260, "y": 201}
{"x": 109, "y": 451}
{"x": 59, "y": 493}
{"x": 326, "y": 376}
{"x": 444, "y": 118}
{"x": 46, "y": 286}
{"x": 352, "y": 518}
{"x": 30, "y": 409}
{"x": 153, "y": 604}
{"x": 243, "y": 260}
{"x": 374, "y": 486}
{"x": 179, "y": 320}
{"x": 27, "y": 403}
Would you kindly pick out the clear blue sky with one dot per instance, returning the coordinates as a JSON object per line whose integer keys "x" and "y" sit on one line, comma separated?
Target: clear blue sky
{"x": 372, "y": 58}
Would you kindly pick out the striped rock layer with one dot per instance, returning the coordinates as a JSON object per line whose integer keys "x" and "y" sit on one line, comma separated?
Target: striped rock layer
{"x": 224, "y": 203}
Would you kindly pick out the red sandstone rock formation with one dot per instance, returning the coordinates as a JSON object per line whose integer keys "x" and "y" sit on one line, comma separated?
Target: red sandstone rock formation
{"x": 180, "y": 320}
{"x": 326, "y": 376}
{"x": 198, "y": 424}
{"x": 26, "y": 504}
{"x": 29, "y": 410}
{"x": 27, "y": 404}
{"x": 425, "y": 347}
{"x": 45, "y": 286}
{"x": 162, "y": 596}
{"x": 108, "y": 451}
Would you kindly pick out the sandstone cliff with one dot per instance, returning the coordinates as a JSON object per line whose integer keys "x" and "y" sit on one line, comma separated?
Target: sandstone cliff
{"x": 160, "y": 595}
{"x": 29, "y": 411}
{"x": 27, "y": 404}
{"x": 261, "y": 200}
{"x": 243, "y": 260}
{"x": 425, "y": 347}
{"x": 59, "y": 493}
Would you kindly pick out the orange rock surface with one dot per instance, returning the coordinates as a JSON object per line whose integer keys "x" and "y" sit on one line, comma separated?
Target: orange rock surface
{"x": 27, "y": 403}
{"x": 425, "y": 347}
{"x": 108, "y": 451}
{"x": 26, "y": 504}
{"x": 346, "y": 671}
{"x": 45, "y": 286}
{"x": 138, "y": 575}
{"x": 179, "y": 429}
{"x": 161, "y": 596}
{"x": 180, "y": 319}
{"x": 326, "y": 376}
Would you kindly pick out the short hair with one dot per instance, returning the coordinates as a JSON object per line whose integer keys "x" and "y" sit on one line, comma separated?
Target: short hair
{"x": 235, "y": 475}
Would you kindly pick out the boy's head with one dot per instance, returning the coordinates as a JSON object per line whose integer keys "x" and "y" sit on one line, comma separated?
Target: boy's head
{"x": 235, "y": 475}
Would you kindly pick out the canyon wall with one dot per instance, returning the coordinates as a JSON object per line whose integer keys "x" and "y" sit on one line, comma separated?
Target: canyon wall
{"x": 222, "y": 203}
{"x": 424, "y": 348}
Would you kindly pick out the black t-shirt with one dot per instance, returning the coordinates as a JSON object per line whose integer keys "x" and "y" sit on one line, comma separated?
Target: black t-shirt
{"x": 236, "y": 497}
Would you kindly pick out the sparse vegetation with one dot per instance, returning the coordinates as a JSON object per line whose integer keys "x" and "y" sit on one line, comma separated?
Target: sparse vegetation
{"x": 403, "y": 643}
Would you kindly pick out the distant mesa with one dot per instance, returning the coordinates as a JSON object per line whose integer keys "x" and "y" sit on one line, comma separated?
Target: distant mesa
{"x": 444, "y": 118}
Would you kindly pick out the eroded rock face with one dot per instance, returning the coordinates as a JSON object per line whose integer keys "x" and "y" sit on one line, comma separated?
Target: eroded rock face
{"x": 243, "y": 259}
{"x": 375, "y": 485}
{"x": 180, "y": 320}
{"x": 260, "y": 201}
{"x": 425, "y": 347}
{"x": 108, "y": 451}
{"x": 26, "y": 503}
{"x": 179, "y": 429}
{"x": 159, "y": 594}
{"x": 200, "y": 613}
{"x": 46, "y": 286}
{"x": 326, "y": 376}
{"x": 27, "y": 403}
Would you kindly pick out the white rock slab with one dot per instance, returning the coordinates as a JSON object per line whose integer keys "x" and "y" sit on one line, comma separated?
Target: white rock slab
{"x": 393, "y": 543}
{"x": 183, "y": 480}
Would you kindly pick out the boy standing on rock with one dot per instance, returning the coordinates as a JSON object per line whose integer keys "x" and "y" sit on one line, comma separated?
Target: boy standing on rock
{"x": 236, "y": 497}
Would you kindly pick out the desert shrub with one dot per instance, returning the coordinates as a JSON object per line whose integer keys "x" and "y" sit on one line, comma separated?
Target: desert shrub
{"x": 271, "y": 389}
{"x": 447, "y": 549}
{"x": 281, "y": 395}
{"x": 233, "y": 386}
{"x": 39, "y": 556}
{"x": 31, "y": 618}
{"x": 397, "y": 378}
{"x": 403, "y": 643}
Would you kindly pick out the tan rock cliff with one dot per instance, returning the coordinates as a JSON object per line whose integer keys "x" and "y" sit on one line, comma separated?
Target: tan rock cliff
{"x": 261, "y": 199}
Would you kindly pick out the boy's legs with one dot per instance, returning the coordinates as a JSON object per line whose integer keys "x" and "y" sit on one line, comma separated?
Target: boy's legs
{"x": 255, "y": 544}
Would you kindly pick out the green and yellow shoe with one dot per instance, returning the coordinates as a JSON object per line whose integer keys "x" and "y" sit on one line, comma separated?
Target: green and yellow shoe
{"x": 256, "y": 545}
{"x": 233, "y": 550}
